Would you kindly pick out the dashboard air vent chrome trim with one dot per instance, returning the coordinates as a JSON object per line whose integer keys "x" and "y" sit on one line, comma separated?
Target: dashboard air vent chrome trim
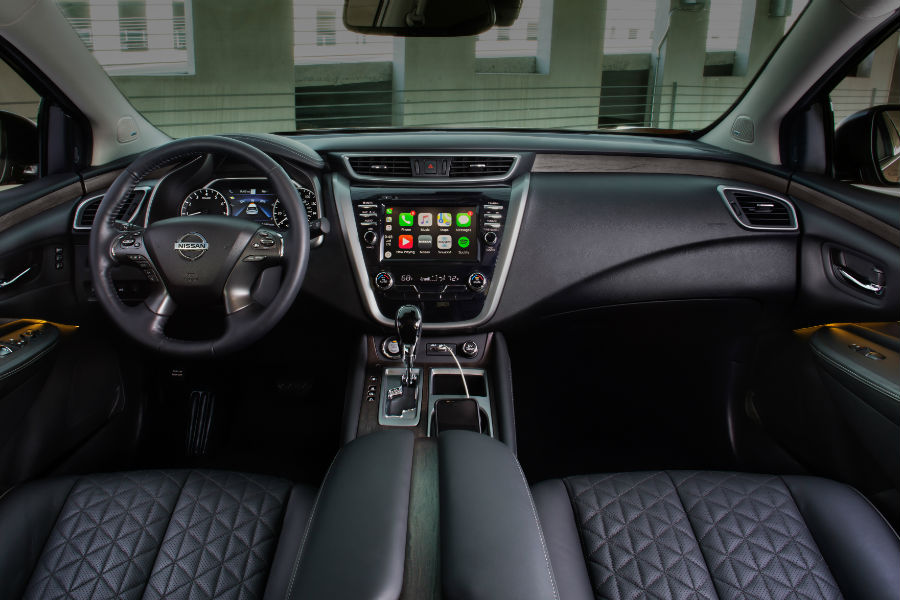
{"x": 468, "y": 168}
{"x": 477, "y": 166}
{"x": 759, "y": 211}
{"x": 381, "y": 166}
{"x": 515, "y": 212}
{"x": 87, "y": 208}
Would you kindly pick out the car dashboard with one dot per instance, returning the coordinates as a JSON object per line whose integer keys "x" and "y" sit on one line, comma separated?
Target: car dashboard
{"x": 482, "y": 229}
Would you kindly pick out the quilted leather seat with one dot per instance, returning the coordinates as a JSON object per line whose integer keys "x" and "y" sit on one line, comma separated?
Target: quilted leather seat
{"x": 146, "y": 534}
{"x": 689, "y": 534}
{"x": 203, "y": 534}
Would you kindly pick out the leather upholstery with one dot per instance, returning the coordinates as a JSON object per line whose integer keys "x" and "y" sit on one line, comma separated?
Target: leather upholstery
{"x": 695, "y": 534}
{"x": 147, "y": 534}
{"x": 491, "y": 540}
{"x": 355, "y": 543}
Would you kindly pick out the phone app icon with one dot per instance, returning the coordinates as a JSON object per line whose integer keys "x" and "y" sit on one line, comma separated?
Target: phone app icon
{"x": 463, "y": 220}
{"x": 425, "y": 242}
{"x": 463, "y": 242}
{"x": 444, "y": 219}
{"x": 406, "y": 220}
{"x": 425, "y": 219}
{"x": 405, "y": 242}
{"x": 445, "y": 242}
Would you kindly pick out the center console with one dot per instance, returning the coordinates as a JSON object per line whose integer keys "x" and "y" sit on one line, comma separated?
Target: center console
{"x": 445, "y": 249}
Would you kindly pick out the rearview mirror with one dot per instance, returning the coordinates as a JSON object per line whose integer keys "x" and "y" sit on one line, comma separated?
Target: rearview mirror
{"x": 867, "y": 146}
{"x": 18, "y": 149}
{"x": 432, "y": 18}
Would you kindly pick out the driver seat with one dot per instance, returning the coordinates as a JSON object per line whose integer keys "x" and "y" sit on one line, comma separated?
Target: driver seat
{"x": 212, "y": 534}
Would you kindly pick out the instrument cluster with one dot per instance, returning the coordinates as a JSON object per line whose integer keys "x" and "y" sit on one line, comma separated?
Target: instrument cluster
{"x": 250, "y": 198}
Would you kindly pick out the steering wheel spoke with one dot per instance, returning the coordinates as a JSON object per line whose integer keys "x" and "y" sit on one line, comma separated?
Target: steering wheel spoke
{"x": 265, "y": 249}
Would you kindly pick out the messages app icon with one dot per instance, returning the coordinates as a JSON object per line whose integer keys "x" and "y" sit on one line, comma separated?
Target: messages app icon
{"x": 406, "y": 219}
{"x": 444, "y": 219}
{"x": 463, "y": 220}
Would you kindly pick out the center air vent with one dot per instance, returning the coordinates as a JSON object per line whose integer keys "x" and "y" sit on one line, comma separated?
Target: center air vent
{"x": 381, "y": 166}
{"x": 759, "y": 210}
{"x": 480, "y": 166}
{"x": 87, "y": 210}
{"x": 432, "y": 166}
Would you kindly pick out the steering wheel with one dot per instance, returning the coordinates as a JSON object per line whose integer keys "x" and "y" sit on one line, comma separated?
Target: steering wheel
{"x": 198, "y": 261}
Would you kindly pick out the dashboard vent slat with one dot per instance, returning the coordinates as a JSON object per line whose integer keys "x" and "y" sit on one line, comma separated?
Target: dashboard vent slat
{"x": 759, "y": 210}
{"x": 484, "y": 166}
{"x": 382, "y": 166}
{"x": 87, "y": 212}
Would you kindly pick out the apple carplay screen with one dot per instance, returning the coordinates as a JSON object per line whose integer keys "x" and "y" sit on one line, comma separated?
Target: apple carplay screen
{"x": 430, "y": 233}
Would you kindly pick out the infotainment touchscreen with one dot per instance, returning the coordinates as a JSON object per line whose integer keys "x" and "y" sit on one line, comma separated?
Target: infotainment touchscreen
{"x": 430, "y": 233}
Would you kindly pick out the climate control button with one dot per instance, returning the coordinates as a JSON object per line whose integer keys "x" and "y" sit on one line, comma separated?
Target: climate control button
{"x": 384, "y": 281}
{"x": 477, "y": 282}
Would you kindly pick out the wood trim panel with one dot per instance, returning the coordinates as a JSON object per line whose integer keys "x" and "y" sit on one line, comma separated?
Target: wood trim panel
{"x": 846, "y": 212}
{"x": 599, "y": 163}
{"x": 63, "y": 195}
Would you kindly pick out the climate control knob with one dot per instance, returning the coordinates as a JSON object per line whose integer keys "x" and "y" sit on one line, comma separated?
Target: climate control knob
{"x": 490, "y": 238}
{"x": 477, "y": 282}
{"x": 384, "y": 281}
{"x": 370, "y": 237}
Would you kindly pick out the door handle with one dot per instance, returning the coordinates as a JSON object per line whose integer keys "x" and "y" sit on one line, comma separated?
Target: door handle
{"x": 874, "y": 287}
{"x": 7, "y": 282}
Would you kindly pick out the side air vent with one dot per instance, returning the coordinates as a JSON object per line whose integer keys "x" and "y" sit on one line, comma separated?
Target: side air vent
{"x": 87, "y": 209}
{"x": 480, "y": 166}
{"x": 381, "y": 166}
{"x": 759, "y": 210}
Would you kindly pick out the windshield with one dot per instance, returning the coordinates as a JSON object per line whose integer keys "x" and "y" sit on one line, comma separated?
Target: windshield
{"x": 194, "y": 68}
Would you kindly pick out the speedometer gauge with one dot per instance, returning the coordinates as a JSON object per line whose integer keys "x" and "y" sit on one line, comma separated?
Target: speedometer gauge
{"x": 280, "y": 216}
{"x": 205, "y": 201}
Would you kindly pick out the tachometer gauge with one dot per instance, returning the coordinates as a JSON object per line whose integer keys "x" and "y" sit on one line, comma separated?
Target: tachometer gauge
{"x": 205, "y": 201}
{"x": 280, "y": 216}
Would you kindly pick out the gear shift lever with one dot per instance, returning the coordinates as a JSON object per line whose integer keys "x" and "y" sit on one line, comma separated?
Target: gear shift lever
{"x": 408, "y": 322}
{"x": 405, "y": 397}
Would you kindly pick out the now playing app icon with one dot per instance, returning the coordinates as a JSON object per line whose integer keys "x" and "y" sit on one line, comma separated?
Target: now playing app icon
{"x": 405, "y": 242}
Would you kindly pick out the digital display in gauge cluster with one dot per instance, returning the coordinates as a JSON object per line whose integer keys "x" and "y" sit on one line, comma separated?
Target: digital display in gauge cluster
{"x": 249, "y": 199}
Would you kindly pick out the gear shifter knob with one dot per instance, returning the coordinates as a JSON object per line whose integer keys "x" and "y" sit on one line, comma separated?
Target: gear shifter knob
{"x": 408, "y": 322}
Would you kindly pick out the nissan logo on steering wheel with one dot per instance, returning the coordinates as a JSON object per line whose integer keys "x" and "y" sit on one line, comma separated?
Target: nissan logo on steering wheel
{"x": 191, "y": 246}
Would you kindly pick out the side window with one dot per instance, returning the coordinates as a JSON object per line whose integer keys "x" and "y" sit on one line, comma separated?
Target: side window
{"x": 866, "y": 105}
{"x": 19, "y": 108}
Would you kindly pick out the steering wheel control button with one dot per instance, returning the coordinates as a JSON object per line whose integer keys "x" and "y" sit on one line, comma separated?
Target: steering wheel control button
{"x": 469, "y": 349}
{"x": 254, "y": 258}
{"x": 384, "y": 281}
{"x": 477, "y": 282}
{"x": 370, "y": 238}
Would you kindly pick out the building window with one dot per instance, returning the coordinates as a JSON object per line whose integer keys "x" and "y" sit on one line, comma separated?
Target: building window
{"x": 724, "y": 25}
{"x": 79, "y": 16}
{"x": 132, "y": 26}
{"x": 629, "y": 26}
{"x": 326, "y": 34}
{"x": 179, "y": 27}
{"x": 520, "y": 39}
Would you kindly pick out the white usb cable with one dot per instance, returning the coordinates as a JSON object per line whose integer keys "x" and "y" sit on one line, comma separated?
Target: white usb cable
{"x": 449, "y": 350}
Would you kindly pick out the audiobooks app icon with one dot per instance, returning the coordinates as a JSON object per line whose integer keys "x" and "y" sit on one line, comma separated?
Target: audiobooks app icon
{"x": 405, "y": 242}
